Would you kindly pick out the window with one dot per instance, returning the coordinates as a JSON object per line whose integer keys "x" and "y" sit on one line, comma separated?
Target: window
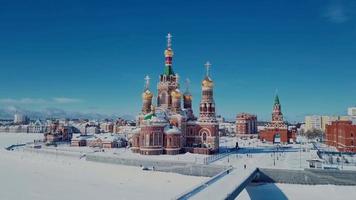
{"x": 151, "y": 139}
{"x": 147, "y": 140}
{"x": 204, "y": 136}
{"x": 163, "y": 98}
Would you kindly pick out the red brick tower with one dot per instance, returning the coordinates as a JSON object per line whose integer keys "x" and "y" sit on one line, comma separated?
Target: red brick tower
{"x": 209, "y": 128}
{"x": 277, "y": 131}
{"x": 277, "y": 116}
{"x": 207, "y": 104}
{"x": 169, "y": 81}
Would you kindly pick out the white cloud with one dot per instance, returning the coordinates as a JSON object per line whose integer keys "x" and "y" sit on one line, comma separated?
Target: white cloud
{"x": 22, "y": 101}
{"x": 39, "y": 101}
{"x": 336, "y": 14}
{"x": 65, "y": 100}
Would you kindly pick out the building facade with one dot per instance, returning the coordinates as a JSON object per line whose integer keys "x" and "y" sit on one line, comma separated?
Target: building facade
{"x": 277, "y": 130}
{"x": 246, "y": 123}
{"x": 170, "y": 127}
{"x": 351, "y": 111}
{"x": 20, "y": 119}
{"x": 342, "y": 135}
{"x": 318, "y": 122}
{"x": 58, "y": 132}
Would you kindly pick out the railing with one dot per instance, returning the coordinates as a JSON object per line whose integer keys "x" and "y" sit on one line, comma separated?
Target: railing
{"x": 11, "y": 147}
{"x": 210, "y": 159}
{"x": 201, "y": 186}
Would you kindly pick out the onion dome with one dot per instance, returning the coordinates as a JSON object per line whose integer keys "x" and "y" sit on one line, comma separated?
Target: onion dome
{"x": 168, "y": 52}
{"x": 147, "y": 95}
{"x": 172, "y": 130}
{"x": 187, "y": 96}
{"x": 207, "y": 82}
{"x": 176, "y": 94}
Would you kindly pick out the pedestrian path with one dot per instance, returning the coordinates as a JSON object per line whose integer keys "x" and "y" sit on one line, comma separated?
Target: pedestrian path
{"x": 231, "y": 185}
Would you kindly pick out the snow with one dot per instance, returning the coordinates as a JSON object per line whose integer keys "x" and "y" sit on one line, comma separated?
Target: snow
{"x": 45, "y": 176}
{"x": 257, "y": 154}
{"x": 7, "y": 139}
{"x": 127, "y": 153}
{"x": 42, "y": 176}
{"x": 280, "y": 191}
{"x": 222, "y": 187}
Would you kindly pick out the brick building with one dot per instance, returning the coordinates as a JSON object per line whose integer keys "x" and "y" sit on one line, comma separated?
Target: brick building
{"x": 277, "y": 130}
{"x": 342, "y": 135}
{"x": 246, "y": 123}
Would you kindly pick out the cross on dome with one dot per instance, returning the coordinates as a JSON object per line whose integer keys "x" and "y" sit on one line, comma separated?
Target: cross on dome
{"x": 169, "y": 40}
{"x": 187, "y": 84}
{"x": 147, "y": 82}
{"x": 207, "y": 65}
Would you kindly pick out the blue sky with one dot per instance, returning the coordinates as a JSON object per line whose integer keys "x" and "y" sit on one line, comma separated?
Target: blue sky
{"x": 92, "y": 56}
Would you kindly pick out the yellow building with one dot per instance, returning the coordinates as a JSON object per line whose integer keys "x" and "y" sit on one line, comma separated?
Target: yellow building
{"x": 317, "y": 122}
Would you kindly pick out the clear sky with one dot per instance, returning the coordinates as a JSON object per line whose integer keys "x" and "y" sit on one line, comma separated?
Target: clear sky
{"x": 92, "y": 56}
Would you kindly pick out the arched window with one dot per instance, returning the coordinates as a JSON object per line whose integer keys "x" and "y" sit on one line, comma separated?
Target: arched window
{"x": 204, "y": 136}
{"x": 204, "y": 108}
{"x": 169, "y": 142}
{"x": 163, "y": 98}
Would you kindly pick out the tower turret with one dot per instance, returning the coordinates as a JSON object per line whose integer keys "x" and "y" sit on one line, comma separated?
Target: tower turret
{"x": 277, "y": 116}
{"x": 187, "y": 97}
{"x": 207, "y": 103}
{"x": 168, "y": 53}
{"x": 176, "y": 100}
{"x": 169, "y": 81}
{"x": 147, "y": 96}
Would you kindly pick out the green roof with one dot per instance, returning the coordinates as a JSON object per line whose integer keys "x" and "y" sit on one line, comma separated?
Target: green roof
{"x": 276, "y": 99}
{"x": 148, "y": 116}
{"x": 168, "y": 70}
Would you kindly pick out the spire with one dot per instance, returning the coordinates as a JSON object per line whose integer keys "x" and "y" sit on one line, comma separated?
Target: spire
{"x": 169, "y": 40}
{"x": 168, "y": 53}
{"x": 187, "y": 85}
{"x": 207, "y": 65}
{"x": 276, "y": 99}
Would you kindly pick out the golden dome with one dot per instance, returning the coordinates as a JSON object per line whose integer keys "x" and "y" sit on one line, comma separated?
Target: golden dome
{"x": 146, "y": 95}
{"x": 168, "y": 53}
{"x": 176, "y": 94}
{"x": 207, "y": 82}
{"x": 187, "y": 96}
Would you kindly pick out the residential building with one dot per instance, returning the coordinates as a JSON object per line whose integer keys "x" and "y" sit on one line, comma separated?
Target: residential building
{"x": 246, "y": 123}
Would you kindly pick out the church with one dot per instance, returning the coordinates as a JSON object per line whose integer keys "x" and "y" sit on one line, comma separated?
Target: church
{"x": 167, "y": 124}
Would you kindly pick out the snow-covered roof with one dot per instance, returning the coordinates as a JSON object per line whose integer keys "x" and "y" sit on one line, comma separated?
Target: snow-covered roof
{"x": 172, "y": 130}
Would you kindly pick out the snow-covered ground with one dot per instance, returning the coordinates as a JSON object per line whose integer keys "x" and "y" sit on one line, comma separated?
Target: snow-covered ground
{"x": 289, "y": 191}
{"x": 127, "y": 153}
{"x": 26, "y": 175}
{"x": 7, "y": 139}
{"x": 45, "y": 176}
{"x": 257, "y": 154}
